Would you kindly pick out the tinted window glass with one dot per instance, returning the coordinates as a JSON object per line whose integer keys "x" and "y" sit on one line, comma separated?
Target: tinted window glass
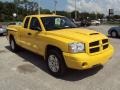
{"x": 35, "y": 25}
{"x": 57, "y": 23}
{"x": 26, "y": 22}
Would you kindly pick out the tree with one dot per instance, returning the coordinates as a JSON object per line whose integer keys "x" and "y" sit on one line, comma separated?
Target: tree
{"x": 84, "y": 15}
{"x": 45, "y": 11}
{"x": 63, "y": 13}
{"x": 21, "y": 1}
{"x": 100, "y": 16}
{"x": 73, "y": 14}
{"x": 30, "y": 7}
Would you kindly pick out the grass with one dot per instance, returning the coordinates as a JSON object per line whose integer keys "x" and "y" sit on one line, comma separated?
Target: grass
{"x": 113, "y": 23}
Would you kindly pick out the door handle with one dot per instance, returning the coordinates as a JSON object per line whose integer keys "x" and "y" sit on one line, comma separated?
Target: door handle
{"x": 29, "y": 34}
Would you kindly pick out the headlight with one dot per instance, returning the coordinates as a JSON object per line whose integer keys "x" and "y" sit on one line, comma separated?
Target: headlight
{"x": 76, "y": 47}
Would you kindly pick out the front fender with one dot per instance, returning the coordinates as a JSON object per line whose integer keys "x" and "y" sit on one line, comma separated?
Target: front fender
{"x": 62, "y": 44}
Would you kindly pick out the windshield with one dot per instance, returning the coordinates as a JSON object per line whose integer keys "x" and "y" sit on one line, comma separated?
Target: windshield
{"x": 55, "y": 23}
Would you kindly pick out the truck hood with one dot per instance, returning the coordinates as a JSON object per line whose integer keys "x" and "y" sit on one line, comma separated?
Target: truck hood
{"x": 78, "y": 34}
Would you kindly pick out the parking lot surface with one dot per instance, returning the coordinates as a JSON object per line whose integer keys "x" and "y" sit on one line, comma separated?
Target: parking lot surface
{"x": 27, "y": 71}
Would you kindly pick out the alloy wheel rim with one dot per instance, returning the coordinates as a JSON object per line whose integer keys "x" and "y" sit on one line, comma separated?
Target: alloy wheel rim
{"x": 53, "y": 63}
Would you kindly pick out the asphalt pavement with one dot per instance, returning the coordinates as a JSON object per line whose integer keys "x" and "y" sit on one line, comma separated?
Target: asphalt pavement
{"x": 27, "y": 71}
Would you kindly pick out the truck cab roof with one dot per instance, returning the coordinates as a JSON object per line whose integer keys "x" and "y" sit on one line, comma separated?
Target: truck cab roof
{"x": 44, "y": 15}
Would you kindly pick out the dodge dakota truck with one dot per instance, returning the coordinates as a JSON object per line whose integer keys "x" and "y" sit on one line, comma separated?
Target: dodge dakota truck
{"x": 60, "y": 42}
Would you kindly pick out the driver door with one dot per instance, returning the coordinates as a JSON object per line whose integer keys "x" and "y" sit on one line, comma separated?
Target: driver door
{"x": 34, "y": 34}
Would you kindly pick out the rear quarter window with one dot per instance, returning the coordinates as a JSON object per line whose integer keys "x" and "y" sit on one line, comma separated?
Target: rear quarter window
{"x": 26, "y": 22}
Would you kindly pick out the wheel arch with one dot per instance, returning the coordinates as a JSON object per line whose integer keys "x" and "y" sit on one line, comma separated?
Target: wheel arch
{"x": 63, "y": 66}
{"x": 113, "y": 30}
{"x": 49, "y": 47}
{"x": 11, "y": 36}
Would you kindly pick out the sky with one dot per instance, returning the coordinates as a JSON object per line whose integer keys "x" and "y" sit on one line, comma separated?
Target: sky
{"x": 100, "y": 6}
{"x": 49, "y": 4}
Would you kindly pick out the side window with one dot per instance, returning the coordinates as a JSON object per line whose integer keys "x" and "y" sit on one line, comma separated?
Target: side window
{"x": 26, "y": 22}
{"x": 35, "y": 24}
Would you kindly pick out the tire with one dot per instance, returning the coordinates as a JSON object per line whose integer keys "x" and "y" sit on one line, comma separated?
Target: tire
{"x": 13, "y": 46}
{"x": 55, "y": 63}
{"x": 114, "y": 34}
{"x": 1, "y": 34}
{"x": 97, "y": 24}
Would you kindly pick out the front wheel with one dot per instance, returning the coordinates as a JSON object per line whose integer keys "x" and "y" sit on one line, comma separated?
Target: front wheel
{"x": 55, "y": 63}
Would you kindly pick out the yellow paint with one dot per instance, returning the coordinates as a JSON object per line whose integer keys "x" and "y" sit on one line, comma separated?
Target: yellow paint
{"x": 39, "y": 40}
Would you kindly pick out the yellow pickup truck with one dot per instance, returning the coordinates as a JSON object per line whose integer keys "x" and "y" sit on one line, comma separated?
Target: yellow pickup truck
{"x": 62, "y": 44}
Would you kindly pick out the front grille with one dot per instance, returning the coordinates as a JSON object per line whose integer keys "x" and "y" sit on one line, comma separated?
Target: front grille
{"x": 105, "y": 46}
{"x": 98, "y": 46}
{"x": 96, "y": 43}
{"x": 93, "y": 50}
{"x": 105, "y": 41}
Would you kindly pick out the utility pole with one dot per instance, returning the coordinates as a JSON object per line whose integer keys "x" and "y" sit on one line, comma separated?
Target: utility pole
{"x": 39, "y": 11}
{"x": 15, "y": 14}
{"x": 38, "y": 8}
{"x": 55, "y": 5}
{"x": 96, "y": 14}
{"x": 75, "y": 9}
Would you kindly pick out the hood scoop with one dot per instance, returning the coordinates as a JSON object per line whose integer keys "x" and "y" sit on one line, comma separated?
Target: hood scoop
{"x": 94, "y": 33}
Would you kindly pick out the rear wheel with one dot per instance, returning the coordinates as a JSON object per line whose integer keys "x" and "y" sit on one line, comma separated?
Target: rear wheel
{"x": 14, "y": 47}
{"x": 1, "y": 34}
{"x": 55, "y": 63}
{"x": 97, "y": 24}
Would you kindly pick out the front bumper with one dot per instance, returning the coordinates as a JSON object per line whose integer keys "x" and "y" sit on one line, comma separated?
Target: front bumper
{"x": 83, "y": 61}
